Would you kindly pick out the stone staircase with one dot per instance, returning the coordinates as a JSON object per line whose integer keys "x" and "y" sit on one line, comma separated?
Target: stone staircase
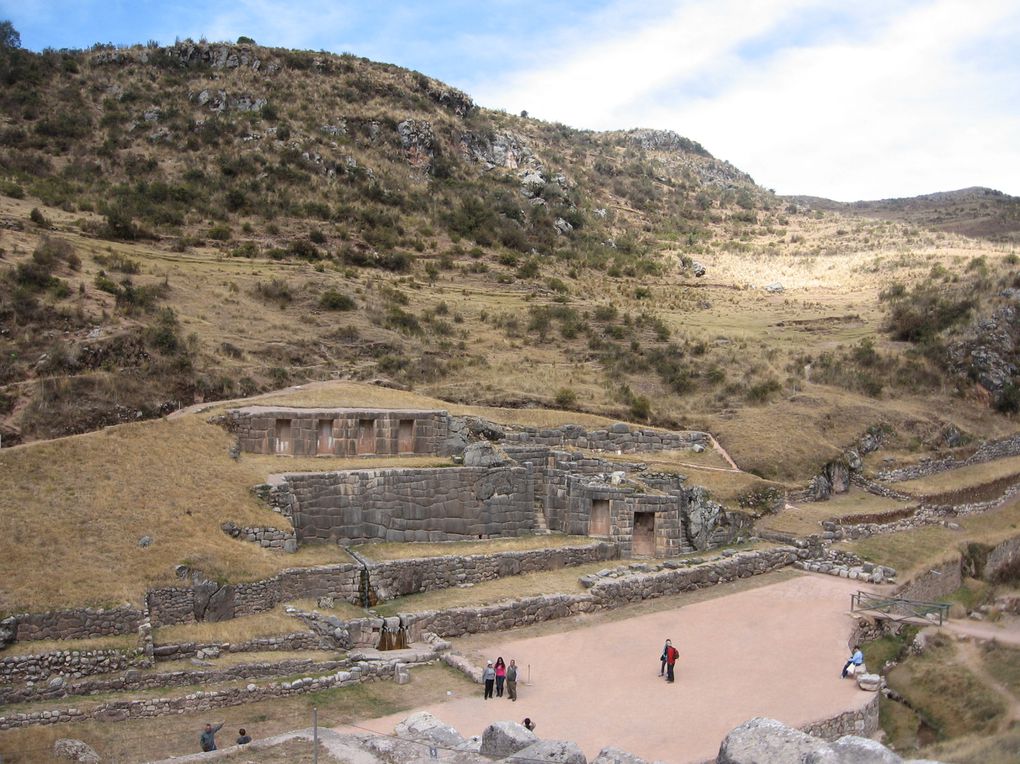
{"x": 541, "y": 526}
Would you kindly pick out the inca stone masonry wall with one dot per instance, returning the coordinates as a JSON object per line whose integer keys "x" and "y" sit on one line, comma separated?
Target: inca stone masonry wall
{"x": 997, "y": 449}
{"x": 81, "y": 623}
{"x": 339, "y": 431}
{"x": 68, "y": 663}
{"x": 412, "y": 505}
{"x": 863, "y": 723}
{"x": 617, "y": 437}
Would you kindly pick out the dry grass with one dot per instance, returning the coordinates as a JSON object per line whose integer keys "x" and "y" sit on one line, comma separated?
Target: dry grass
{"x": 394, "y": 551}
{"x": 269, "y": 624}
{"x": 965, "y": 477}
{"x": 805, "y": 518}
{"x": 81, "y": 502}
{"x": 38, "y": 647}
{"x": 141, "y": 740}
{"x": 912, "y": 551}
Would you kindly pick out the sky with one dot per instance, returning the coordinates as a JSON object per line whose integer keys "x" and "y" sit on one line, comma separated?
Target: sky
{"x": 846, "y": 99}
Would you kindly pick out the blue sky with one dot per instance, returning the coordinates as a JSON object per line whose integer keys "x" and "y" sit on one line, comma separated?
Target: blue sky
{"x": 850, "y": 100}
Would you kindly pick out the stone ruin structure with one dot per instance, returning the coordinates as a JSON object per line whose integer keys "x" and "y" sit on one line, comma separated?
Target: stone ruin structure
{"x": 508, "y": 482}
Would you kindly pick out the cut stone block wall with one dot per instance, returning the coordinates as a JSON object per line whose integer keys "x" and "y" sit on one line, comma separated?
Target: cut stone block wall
{"x": 81, "y": 623}
{"x": 351, "y": 432}
{"x": 617, "y": 437}
{"x": 412, "y": 505}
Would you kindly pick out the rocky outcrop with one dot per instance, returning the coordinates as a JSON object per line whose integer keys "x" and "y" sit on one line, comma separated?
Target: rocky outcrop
{"x": 703, "y": 516}
{"x": 504, "y": 149}
{"x": 419, "y": 143}
{"x": 761, "y": 741}
{"x": 502, "y": 739}
{"x": 69, "y": 749}
{"x": 988, "y": 351}
{"x": 559, "y": 751}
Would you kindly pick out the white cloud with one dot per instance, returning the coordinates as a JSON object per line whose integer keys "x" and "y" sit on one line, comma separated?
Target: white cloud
{"x": 899, "y": 107}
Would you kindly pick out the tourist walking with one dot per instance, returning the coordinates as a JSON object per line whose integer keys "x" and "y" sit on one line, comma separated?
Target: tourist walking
{"x": 208, "y": 737}
{"x": 500, "y": 676}
{"x": 662, "y": 659}
{"x": 488, "y": 678}
{"x": 511, "y": 680}
{"x": 856, "y": 661}
{"x": 671, "y": 655}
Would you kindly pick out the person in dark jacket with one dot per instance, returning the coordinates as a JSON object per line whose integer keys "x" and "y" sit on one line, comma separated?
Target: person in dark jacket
{"x": 208, "y": 737}
{"x": 489, "y": 679}
{"x": 243, "y": 738}
{"x": 511, "y": 680}
{"x": 671, "y": 655}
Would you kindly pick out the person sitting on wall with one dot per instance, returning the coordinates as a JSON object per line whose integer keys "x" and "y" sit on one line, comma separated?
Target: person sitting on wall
{"x": 855, "y": 664}
{"x": 243, "y": 738}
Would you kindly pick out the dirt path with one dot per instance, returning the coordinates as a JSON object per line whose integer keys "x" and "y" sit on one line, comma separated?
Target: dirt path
{"x": 723, "y": 453}
{"x": 1009, "y": 635}
{"x": 971, "y": 655}
{"x": 769, "y": 651}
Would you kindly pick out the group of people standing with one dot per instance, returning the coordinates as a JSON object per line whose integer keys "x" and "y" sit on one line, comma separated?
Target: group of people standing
{"x": 499, "y": 676}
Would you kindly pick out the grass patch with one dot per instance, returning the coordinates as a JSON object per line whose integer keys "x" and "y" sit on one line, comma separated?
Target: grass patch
{"x": 341, "y": 609}
{"x": 979, "y": 749}
{"x": 395, "y": 551}
{"x": 899, "y": 724}
{"x": 912, "y": 551}
{"x": 140, "y": 740}
{"x": 805, "y": 518}
{"x": 269, "y": 624}
{"x": 965, "y": 477}
{"x": 948, "y": 695}
{"x": 880, "y": 651}
{"x": 80, "y": 502}
{"x": 1003, "y": 662}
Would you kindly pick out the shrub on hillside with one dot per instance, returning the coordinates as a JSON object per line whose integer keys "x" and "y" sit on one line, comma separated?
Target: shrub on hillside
{"x": 334, "y": 300}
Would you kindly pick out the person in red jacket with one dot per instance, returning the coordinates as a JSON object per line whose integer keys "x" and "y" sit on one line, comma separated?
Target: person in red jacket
{"x": 671, "y": 655}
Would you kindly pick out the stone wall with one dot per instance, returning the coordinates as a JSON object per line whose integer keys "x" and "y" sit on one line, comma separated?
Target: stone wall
{"x": 989, "y": 451}
{"x": 81, "y": 623}
{"x": 120, "y": 710}
{"x": 68, "y": 663}
{"x": 606, "y": 594}
{"x": 934, "y": 584}
{"x": 439, "y": 504}
{"x": 298, "y": 640}
{"x": 617, "y": 437}
{"x": 136, "y": 680}
{"x": 396, "y": 578}
{"x": 338, "y": 431}
{"x": 862, "y": 722}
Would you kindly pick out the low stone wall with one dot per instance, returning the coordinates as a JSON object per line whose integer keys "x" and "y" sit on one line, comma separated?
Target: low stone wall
{"x": 862, "y": 722}
{"x": 68, "y": 663}
{"x": 397, "y": 578}
{"x": 81, "y": 623}
{"x": 299, "y": 640}
{"x": 987, "y": 452}
{"x": 134, "y": 680}
{"x": 606, "y": 594}
{"x": 120, "y": 710}
{"x": 1002, "y": 558}
{"x": 934, "y": 584}
{"x": 617, "y": 437}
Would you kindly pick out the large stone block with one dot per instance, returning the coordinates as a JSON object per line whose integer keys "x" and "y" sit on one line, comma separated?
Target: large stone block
{"x": 501, "y": 739}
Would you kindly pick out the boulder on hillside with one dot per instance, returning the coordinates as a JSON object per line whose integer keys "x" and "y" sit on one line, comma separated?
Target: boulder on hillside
{"x": 854, "y": 750}
{"x": 485, "y": 454}
{"x": 763, "y": 740}
{"x": 610, "y": 755}
{"x": 502, "y": 739}
{"x": 559, "y": 751}
{"x": 75, "y": 750}
{"x": 424, "y": 726}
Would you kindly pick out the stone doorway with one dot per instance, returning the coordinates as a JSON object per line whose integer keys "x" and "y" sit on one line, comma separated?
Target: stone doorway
{"x": 405, "y": 439}
{"x": 643, "y": 540}
{"x": 366, "y": 436}
{"x": 282, "y": 444}
{"x": 325, "y": 444}
{"x": 598, "y": 522}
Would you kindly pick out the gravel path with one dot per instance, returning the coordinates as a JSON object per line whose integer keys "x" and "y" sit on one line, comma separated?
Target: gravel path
{"x": 771, "y": 651}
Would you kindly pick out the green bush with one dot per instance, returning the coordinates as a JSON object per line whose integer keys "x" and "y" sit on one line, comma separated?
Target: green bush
{"x": 565, "y": 398}
{"x": 334, "y": 300}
